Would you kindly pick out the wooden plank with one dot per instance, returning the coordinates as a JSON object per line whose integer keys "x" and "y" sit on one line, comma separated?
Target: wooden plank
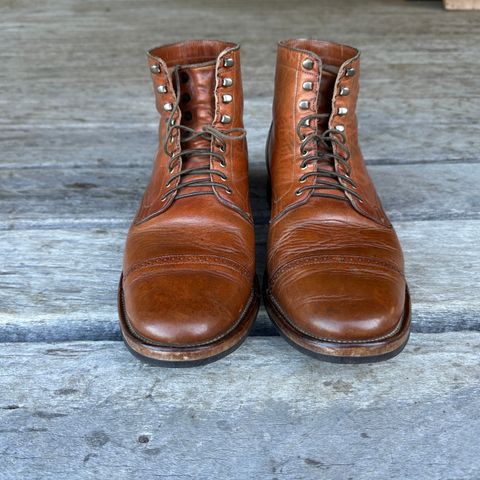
{"x": 461, "y": 4}
{"x": 391, "y": 132}
{"x": 89, "y": 409}
{"x": 84, "y": 68}
{"x": 61, "y": 284}
{"x": 106, "y": 196}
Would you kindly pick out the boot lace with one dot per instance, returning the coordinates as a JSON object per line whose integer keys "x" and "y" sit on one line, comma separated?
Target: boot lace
{"x": 324, "y": 143}
{"x": 187, "y": 134}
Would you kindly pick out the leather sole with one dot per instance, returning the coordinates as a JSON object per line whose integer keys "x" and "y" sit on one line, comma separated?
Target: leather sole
{"x": 193, "y": 355}
{"x": 329, "y": 351}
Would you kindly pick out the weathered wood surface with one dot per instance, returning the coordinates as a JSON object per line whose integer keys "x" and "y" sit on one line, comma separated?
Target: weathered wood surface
{"x": 61, "y": 284}
{"x": 391, "y": 131}
{"x": 79, "y": 197}
{"x": 419, "y": 75}
{"x": 90, "y": 410}
{"x": 77, "y": 135}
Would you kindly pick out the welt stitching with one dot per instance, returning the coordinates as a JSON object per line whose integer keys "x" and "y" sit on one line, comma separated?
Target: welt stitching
{"x": 386, "y": 336}
{"x": 189, "y": 345}
{"x": 337, "y": 258}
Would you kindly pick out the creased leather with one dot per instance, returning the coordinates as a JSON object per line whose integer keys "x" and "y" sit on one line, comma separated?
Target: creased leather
{"x": 189, "y": 262}
{"x": 334, "y": 266}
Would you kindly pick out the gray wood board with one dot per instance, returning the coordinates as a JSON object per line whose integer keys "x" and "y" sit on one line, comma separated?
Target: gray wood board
{"x": 81, "y": 68}
{"x": 91, "y": 410}
{"x": 61, "y": 284}
{"x": 79, "y": 197}
{"x": 391, "y": 132}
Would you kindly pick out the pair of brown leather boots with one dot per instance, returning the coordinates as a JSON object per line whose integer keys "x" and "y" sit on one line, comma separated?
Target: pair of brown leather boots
{"x": 334, "y": 284}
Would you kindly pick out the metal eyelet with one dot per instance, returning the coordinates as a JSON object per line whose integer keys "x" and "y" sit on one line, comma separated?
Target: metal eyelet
{"x": 304, "y": 167}
{"x": 229, "y": 191}
{"x": 303, "y": 181}
{"x": 223, "y": 164}
{"x": 298, "y": 193}
{"x": 308, "y": 64}
{"x": 304, "y": 104}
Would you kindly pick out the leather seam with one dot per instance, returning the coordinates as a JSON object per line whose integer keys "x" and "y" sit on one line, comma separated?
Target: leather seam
{"x": 185, "y": 259}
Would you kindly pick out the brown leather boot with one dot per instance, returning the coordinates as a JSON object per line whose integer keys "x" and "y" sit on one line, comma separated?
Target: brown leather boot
{"x": 188, "y": 293}
{"x": 335, "y": 275}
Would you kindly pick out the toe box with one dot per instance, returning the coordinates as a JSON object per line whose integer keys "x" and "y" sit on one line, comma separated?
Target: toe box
{"x": 185, "y": 306}
{"x": 342, "y": 303}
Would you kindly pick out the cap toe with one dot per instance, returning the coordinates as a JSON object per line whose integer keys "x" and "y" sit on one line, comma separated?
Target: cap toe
{"x": 184, "y": 307}
{"x": 343, "y": 304}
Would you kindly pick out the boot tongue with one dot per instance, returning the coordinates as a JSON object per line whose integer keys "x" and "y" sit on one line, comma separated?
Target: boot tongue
{"x": 197, "y": 104}
{"x": 327, "y": 85}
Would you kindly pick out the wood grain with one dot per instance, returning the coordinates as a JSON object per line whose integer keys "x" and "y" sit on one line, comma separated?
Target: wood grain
{"x": 86, "y": 410}
{"x": 56, "y": 197}
{"x": 77, "y": 137}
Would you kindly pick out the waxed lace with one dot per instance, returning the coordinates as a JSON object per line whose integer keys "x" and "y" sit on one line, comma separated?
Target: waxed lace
{"x": 187, "y": 134}
{"x": 323, "y": 151}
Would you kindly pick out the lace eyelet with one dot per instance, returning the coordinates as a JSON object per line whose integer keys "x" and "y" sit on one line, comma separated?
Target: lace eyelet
{"x": 298, "y": 193}
{"x": 303, "y": 180}
{"x": 163, "y": 199}
{"x": 229, "y": 191}
{"x": 223, "y": 164}
{"x": 304, "y": 153}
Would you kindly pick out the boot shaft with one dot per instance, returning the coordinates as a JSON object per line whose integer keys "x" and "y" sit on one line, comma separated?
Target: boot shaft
{"x": 314, "y": 129}
{"x": 202, "y": 149}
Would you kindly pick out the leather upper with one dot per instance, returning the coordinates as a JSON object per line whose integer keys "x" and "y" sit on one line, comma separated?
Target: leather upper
{"x": 335, "y": 266}
{"x": 189, "y": 258}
